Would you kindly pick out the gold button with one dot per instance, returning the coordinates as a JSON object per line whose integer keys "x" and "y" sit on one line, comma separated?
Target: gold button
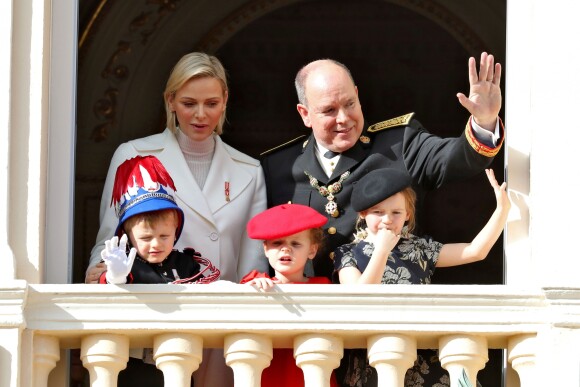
{"x": 332, "y": 230}
{"x": 331, "y": 255}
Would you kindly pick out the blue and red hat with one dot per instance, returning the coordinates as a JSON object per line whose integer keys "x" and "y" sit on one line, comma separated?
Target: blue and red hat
{"x": 141, "y": 185}
{"x": 284, "y": 220}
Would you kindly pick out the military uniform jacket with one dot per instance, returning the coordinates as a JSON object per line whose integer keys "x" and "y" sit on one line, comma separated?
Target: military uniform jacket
{"x": 401, "y": 142}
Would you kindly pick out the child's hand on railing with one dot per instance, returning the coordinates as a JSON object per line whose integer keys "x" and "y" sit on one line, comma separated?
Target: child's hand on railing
{"x": 262, "y": 283}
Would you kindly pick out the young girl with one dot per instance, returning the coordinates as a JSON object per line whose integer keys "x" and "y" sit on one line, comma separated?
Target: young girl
{"x": 385, "y": 252}
{"x": 291, "y": 235}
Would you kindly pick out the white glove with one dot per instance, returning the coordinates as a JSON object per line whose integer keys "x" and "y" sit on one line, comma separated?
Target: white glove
{"x": 118, "y": 264}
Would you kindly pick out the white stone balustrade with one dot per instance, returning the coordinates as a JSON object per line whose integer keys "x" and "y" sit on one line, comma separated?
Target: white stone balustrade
{"x": 247, "y": 355}
{"x": 522, "y": 357}
{"x": 317, "y": 355}
{"x": 391, "y": 355}
{"x": 462, "y": 352}
{"x": 46, "y": 354}
{"x": 178, "y": 355}
{"x": 316, "y": 320}
{"x": 104, "y": 355}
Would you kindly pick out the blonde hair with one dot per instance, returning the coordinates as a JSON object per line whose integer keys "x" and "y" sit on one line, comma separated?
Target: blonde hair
{"x": 316, "y": 235}
{"x": 191, "y": 66}
{"x": 410, "y": 196}
{"x": 410, "y": 199}
{"x": 151, "y": 217}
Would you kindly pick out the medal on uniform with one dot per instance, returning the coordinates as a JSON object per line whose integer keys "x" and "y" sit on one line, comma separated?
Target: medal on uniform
{"x": 331, "y": 207}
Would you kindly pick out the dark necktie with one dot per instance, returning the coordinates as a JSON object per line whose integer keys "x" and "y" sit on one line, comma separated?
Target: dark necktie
{"x": 331, "y": 154}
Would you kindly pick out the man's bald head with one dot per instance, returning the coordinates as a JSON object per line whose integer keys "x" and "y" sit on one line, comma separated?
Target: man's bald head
{"x": 314, "y": 67}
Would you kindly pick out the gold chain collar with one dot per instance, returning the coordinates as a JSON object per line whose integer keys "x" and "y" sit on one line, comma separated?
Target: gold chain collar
{"x": 328, "y": 192}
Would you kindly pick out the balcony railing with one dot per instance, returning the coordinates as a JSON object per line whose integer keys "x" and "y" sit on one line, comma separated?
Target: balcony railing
{"x": 318, "y": 321}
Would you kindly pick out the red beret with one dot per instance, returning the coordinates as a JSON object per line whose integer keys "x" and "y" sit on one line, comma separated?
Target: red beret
{"x": 284, "y": 220}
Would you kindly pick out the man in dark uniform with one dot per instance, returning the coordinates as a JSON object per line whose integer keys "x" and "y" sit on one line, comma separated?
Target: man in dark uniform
{"x": 320, "y": 170}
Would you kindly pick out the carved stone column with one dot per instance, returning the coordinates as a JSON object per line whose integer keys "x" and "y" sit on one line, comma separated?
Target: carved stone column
{"x": 178, "y": 355}
{"x": 522, "y": 356}
{"x": 317, "y": 355}
{"x": 247, "y": 355}
{"x": 459, "y": 352}
{"x": 46, "y": 354}
{"x": 104, "y": 355}
{"x": 392, "y": 356}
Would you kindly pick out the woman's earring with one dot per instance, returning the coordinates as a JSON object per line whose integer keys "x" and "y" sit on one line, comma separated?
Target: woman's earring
{"x": 176, "y": 123}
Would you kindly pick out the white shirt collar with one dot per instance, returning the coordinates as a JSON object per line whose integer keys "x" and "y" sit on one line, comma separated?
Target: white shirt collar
{"x": 328, "y": 165}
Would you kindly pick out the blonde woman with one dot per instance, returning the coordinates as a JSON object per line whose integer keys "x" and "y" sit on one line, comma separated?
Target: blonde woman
{"x": 218, "y": 187}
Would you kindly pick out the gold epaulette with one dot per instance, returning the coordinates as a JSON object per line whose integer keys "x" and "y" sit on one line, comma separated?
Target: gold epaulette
{"x": 391, "y": 123}
{"x": 281, "y": 146}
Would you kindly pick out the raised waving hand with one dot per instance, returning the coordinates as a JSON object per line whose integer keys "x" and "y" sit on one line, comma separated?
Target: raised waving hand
{"x": 118, "y": 263}
{"x": 484, "y": 101}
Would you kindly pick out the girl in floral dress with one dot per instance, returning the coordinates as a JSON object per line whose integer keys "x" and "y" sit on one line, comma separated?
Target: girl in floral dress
{"x": 386, "y": 252}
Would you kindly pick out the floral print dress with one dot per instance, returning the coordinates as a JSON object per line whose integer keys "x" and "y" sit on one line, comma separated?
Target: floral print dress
{"x": 412, "y": 261}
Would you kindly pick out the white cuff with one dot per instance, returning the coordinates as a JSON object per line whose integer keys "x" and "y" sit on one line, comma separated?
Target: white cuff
{"x": 485, "y": 136}
{"x": 115, "y": 280}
